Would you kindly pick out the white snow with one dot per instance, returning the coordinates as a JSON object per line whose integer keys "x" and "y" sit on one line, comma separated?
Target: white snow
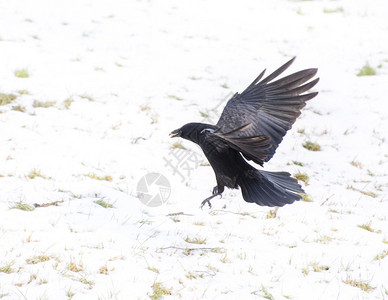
{"x": 117, "y": 77}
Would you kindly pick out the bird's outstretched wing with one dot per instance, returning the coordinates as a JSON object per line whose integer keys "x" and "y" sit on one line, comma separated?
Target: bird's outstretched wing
{"x": 270, "y": 107}
{"x": 251, "y": 146}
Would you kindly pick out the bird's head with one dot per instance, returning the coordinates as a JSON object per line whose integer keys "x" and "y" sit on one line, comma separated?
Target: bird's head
{"x": 176, "y": 133}
{"x": 189, "y": 131}
{"x": 184, "y": 132}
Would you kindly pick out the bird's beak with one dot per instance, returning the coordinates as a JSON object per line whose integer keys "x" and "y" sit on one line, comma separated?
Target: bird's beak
{"x": 174, "y": 133}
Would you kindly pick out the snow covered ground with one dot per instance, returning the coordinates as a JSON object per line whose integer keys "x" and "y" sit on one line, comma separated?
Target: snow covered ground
{"x": 89, "y": 91}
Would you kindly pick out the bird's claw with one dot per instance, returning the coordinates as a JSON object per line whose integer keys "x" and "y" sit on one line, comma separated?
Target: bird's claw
{"x": 207, "y": 200}
{"x": 204, "y": 202}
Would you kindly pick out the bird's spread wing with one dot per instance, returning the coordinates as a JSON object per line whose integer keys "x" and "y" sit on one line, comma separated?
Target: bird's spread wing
{"x": 270, "y": 107}
{"x": 253, "y": 147}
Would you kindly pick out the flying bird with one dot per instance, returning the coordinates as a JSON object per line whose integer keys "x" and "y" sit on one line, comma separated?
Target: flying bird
{"x": 251, "y": 127}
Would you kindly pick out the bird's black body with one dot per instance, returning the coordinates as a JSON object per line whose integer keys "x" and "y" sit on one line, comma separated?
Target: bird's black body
{"x": 251, "y": 127}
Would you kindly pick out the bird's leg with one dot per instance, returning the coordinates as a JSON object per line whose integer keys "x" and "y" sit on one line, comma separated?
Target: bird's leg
{"x": 207, "y": 200}
{"x": 215, "y": 191}
{"x": 215, "y": 194}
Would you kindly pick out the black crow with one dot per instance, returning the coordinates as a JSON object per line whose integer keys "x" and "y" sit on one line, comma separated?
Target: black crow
{"x": 251, "y": 127}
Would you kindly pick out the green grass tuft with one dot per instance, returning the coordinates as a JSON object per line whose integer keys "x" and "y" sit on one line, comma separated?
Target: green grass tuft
{"x": 7, "y": 269}
{"x": 87, "y": 97}
{"x": 195, "y": 240}
{"x": 175, "y": 219}
{"x": 74, "y": 267}
{"x": 44, "y": 104}
{"x": 272, "y": 213}
{"x": 366, "y": 226}
{"x": 104, "y": 204}
{"x": 6, "y": 98}
{"x": 197, "y": 223}
{"x": 366, "y": 193}
{"x": 305, "y": 198}
{"x": 153, "y": 269}
{"x": 266, "y": 294}
{"x": 363, "y": 285}
{"x": 19, "y": 108}
{"x": 104, "y": 270}
{"x": 356, "y": 164}
{"x": 382, "y": 255}
{"x": 67, "y": 103}
{"x": 366, "y": 70}
{"x": 36, "y": 173}
{"x": 311, "y": 146}
{"x": 22, "y": 206}
{"x": 302, "y": 177}
{"x": 23, "y": 92}
{"x": 22, "y": 73}
{"x": 159, "y": 290}
{"x": 297, "y": 163}
{"x": 369, "y": 193}
{"x": 37, "y": 259}
{"x": 145, "y": 107}
{"x": 174, "y": 97}
{"x": 96, "y": 177}
{"x": 315, "y": 267}
{"x": 331, "y": 11}
{"x": 318, "y": 268}
{"x": 177, "y": 145}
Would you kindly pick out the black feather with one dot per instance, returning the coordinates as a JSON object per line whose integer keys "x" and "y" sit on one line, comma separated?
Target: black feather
{"x": 252, "y": 126}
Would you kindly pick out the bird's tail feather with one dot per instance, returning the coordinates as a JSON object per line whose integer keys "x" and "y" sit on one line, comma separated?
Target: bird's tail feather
{"x": 269, "y": 188}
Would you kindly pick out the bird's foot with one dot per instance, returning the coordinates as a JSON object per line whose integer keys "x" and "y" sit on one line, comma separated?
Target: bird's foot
{"x": 207, "y": 200}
